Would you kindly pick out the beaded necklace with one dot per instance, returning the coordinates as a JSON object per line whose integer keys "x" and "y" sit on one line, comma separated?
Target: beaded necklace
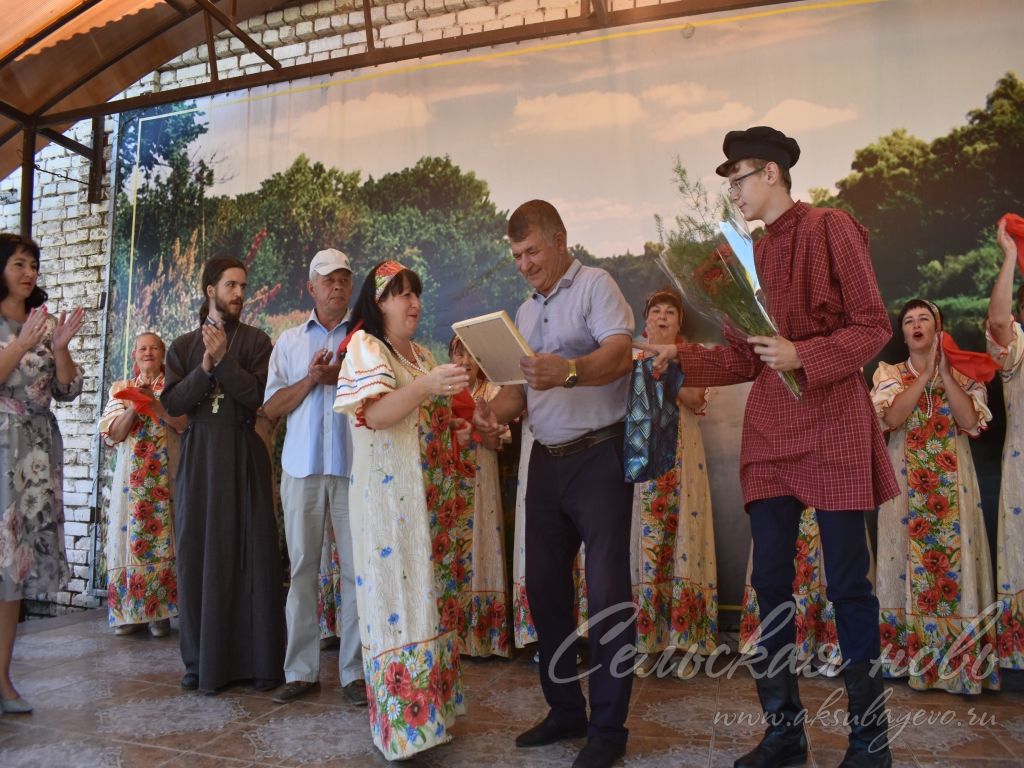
{"x": 413, "y": 366}
{"x": 930, "y": 405}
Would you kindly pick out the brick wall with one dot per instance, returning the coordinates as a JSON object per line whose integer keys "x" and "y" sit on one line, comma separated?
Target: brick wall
{"x": 74, "y": 234}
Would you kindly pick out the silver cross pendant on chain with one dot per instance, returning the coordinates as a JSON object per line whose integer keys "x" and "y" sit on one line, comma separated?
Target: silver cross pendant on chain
{"x": 215, "y": 402}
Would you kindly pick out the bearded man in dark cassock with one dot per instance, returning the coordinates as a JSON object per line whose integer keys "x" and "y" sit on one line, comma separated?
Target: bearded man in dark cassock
{"x": 229, "y": 564}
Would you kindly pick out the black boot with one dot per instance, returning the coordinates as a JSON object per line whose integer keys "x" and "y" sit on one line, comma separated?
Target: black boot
{"x": 784, "y": 742}
{"x": 869, "y": 722}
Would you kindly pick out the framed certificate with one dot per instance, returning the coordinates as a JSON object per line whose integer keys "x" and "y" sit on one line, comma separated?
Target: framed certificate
{"x": 496, "y": 344}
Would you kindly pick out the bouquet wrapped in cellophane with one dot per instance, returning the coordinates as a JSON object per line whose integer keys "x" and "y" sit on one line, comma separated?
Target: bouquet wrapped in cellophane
{"x": 709, "y": 257}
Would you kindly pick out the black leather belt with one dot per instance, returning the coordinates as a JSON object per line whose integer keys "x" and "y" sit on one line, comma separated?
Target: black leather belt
{"x": 586, "y": 441}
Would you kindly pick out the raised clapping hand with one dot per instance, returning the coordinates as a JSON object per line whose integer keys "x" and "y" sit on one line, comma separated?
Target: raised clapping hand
{"x": 941, "y": 361}
{"x": 484, "y": 420}
{"x": 777, "y": 353}
{"x": 216, "y": 342}
{"x": 447, "y": 379}
{"x": 67, "y": 327}
{"x": 33, "y": 330}
{"x": 321, "y": 370}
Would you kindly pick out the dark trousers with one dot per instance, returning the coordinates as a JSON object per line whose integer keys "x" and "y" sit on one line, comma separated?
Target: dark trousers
{"x": 573, "y": 499}
{"x": 774, "y": 525}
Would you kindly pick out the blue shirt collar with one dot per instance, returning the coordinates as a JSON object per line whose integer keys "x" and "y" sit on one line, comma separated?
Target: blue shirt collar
{"x": 313, "y": 321}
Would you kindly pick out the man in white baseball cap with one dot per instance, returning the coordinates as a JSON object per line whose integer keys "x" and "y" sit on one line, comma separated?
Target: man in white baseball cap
{"x": 316, "y": 463}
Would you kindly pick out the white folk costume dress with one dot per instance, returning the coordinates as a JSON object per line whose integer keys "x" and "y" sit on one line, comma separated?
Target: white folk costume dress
{"x": 672, "y": 551}
{"x": 1010, "y": 533}
{"x": 483, "y": 589}
{"x": 403, "y": 479}
{"x": 142, "y": 584}
{"x": 934, "y": 568}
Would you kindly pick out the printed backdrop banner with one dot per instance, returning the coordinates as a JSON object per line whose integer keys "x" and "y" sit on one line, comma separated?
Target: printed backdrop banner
{"x": 909, "y": 114}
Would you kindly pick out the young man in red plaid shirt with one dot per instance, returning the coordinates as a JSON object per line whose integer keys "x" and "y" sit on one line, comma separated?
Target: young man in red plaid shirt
{"x": 824, "y": 450}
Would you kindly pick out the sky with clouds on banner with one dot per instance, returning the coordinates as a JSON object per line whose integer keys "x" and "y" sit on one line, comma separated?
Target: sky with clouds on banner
{"x": 596, "y": 127}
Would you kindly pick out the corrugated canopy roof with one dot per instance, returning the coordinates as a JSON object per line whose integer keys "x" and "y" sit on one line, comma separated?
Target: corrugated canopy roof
{"x": 64, "y": 60}
{"x": 58, "y": 55}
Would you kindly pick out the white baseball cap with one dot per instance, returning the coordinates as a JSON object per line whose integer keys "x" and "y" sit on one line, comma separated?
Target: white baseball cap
{"x": 327, "y": 261}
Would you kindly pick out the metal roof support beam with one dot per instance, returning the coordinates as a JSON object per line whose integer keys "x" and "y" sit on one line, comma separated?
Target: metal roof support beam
{"x": 368, "y": 26}
{"x": 28, "y": 176}
{"x": 67, "y": 142}
{"x": 96, "y": 168}
{"x": 229, "y": 25}
{"x": 211, "y": 51}
{"x": 13, "y": 113}
{"x": 529, "y": 32}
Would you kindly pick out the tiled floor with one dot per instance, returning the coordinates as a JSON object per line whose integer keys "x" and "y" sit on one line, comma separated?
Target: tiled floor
{"x": 114, "y": 702}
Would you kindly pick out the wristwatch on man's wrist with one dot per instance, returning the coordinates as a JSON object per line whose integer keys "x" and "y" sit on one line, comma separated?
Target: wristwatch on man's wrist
{"x": 573, "y": 378}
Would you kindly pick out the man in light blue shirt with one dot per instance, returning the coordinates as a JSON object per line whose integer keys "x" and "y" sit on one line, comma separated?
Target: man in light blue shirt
{"x": 316, "y": 463}
{"x": 580, "y": 327}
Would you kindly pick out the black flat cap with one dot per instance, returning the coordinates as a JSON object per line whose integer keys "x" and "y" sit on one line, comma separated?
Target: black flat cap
{"x": 761, "y": 142}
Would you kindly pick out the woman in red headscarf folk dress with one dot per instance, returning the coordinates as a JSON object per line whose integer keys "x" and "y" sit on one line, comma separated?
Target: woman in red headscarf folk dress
{"x": 403, "y": 475}
{"x": 934, "y": 581}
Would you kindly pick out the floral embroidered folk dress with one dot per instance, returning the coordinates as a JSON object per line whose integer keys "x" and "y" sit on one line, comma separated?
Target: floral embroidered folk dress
{"x": 32, "y": 558}
{"x": 934, "y": 568}
{"x": 142, "y": 583}
{"x": 483, "y": 589}
{"x": 673, "y": 552}
{"x": 1010, "y": 531}
{"x": 524, "y": 631}
{"x": 404, "y": 482}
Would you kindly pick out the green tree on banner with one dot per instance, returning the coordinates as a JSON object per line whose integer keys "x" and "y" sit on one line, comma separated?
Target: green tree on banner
{"x": 441, "y": 222}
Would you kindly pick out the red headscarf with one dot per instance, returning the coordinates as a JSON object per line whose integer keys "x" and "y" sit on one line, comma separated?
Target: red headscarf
{"x": 1015, "y": 229}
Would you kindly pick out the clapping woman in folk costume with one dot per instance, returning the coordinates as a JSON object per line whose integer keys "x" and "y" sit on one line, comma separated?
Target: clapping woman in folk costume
{"x": 404, "y": 477}
{"x": 35, "y": 369}
{"x": 934, "y": 580}
{"x": 142, "y": 585}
